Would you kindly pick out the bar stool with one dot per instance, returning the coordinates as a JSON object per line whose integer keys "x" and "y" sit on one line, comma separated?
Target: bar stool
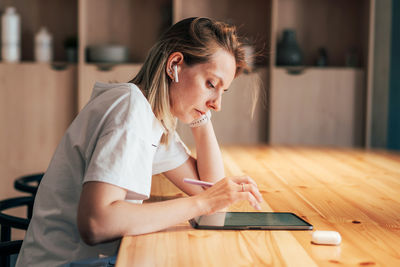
{"x": 7, "y": 222}
{"x": 28, "y": 183}
{"x": 7, "y": 249}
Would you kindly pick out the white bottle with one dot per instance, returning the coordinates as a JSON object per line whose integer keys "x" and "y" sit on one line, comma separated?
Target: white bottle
{"x": 43, "y": 46}
{"x": 10, "y": 36}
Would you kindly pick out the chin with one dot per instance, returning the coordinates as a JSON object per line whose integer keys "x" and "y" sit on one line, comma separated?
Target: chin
{"x": 185, "y": 119}
{"x": 188, "y": 117}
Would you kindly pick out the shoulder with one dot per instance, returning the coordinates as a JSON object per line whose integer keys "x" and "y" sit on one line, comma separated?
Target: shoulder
{"x": 123, "y": 106}
{"x": 116, "y": 93}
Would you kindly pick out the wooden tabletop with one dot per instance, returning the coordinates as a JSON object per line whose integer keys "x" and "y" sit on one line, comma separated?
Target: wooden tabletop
{"x": 354, "y": 192}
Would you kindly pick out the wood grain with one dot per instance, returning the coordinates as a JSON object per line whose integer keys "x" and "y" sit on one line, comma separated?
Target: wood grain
{"x": 37, "y": 106}
{"x": 320, "y": 106}
{"x": 354, "y": 192}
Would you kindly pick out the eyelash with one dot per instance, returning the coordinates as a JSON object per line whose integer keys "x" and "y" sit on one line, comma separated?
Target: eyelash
{"x": 211, "y": 85}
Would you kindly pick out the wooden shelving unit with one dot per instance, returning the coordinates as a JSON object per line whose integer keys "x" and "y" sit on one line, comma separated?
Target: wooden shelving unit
{"x": 322, "y": 105}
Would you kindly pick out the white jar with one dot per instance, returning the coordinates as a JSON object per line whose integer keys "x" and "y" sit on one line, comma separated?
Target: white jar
{"x": 43, "y": 46}
{"x": 10, "y": 36}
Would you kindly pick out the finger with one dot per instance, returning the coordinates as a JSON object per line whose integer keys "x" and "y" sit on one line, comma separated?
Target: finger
{"x": 253, "y": 190}
{"x": 250, "y": 198}
{"x": 244, "y": 179}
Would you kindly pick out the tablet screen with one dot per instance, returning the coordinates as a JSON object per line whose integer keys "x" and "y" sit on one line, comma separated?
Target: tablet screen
{"x": 251, "y": 220}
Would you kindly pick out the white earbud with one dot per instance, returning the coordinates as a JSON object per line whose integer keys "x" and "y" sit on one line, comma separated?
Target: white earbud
{"x": 176, "y": 73}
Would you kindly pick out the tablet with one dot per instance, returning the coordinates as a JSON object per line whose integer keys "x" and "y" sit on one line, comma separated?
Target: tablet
{"x": 251, "y": 221}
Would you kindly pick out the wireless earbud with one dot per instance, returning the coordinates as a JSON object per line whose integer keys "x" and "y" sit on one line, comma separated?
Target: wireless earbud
{"x": 176, "y": 73}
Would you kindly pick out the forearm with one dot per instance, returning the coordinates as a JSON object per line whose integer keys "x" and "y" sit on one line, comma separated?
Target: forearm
{"x": 122, "y": 218}
{"x": 104, "y": 215}
{"x": 209, "y": 160}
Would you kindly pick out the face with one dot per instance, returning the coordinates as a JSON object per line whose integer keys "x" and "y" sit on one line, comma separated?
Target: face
{"x": 201, "y": 86}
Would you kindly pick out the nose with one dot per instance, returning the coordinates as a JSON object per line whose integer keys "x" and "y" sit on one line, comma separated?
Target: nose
{"x": 215, "y": 103}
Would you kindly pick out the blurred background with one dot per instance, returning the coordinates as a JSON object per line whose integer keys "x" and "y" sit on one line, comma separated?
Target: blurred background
{"x": 323, "y": 71}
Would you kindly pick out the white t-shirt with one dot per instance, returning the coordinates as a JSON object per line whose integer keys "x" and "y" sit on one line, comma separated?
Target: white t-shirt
{"x": 114, "y": 139}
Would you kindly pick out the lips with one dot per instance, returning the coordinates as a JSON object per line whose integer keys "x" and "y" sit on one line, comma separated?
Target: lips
{"x": 201, "y": 112}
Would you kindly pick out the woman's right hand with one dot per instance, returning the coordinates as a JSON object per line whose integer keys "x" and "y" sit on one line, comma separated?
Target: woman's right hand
{"x": 228, "y": 191}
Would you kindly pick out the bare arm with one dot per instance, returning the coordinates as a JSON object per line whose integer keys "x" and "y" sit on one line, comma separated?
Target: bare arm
{"x": 207, "y": 167}
{"x": 209, "y": 160}
{"x": 104, "y": 215}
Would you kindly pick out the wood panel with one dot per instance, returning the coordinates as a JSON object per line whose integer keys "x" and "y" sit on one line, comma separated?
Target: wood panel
{"x": 317, "y": 107}
{"x": 37, "y": 106}
{"x": 233, "y": 124}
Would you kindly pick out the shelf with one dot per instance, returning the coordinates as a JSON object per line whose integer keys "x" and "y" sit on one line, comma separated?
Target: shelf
{"x": 59, "y": 17}
{"x": 55, "y": 66}
{"x": 300, "y": 70}
{"x": 132, "y": 23}
{"x": 112, "y": 66}
{"x": 317, "y": 68}
{"x": 338, "y": 26}
{"x": 252, "y": 19}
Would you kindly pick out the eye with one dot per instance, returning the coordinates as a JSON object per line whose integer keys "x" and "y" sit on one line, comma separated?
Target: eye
{"x": 210, "y": 84}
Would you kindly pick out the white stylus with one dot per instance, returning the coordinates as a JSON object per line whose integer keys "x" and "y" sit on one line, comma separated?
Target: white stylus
{"x": 197, "y": 182}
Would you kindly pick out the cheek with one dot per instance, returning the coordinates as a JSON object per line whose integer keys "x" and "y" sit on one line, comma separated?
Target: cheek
{"x": 179, "y": 97}
{"x": 188, "y": 91}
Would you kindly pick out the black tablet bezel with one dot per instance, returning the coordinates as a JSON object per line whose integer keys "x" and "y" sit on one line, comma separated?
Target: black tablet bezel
{"x": 308, "y": 226}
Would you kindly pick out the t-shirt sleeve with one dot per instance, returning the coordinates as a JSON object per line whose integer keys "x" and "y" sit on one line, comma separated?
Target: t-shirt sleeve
{"x": 170, "y": 157}
{"x": 123, "y": 159}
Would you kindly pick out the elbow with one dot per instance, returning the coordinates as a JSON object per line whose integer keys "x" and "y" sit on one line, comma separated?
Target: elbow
{"x": 89, "y": 231}
{"x": 89, "y": 238}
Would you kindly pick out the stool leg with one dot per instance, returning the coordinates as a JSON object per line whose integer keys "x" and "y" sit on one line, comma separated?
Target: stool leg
{"x": 5, "y": 261}
{"x": 30, "y": 210}
{"x": 5, "y": 236}
{"x": 5, "y": 233}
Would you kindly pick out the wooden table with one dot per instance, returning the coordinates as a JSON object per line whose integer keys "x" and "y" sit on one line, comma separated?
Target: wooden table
{"x": 354, "y": 192}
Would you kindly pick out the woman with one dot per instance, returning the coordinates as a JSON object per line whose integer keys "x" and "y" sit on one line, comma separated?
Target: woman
{"x": 92, "y": 192}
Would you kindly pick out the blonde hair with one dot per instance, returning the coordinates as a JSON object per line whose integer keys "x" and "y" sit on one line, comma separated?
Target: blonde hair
{"x": 197, "y": 39}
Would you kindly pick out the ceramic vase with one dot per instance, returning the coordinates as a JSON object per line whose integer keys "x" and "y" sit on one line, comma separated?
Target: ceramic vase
{"x": 289, "y": 52}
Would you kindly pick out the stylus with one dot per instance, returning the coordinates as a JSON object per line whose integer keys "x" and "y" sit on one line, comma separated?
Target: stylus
{"x": 197, "y": 182}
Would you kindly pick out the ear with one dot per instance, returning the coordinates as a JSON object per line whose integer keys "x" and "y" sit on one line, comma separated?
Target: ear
{"x": 175, "y": 59}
